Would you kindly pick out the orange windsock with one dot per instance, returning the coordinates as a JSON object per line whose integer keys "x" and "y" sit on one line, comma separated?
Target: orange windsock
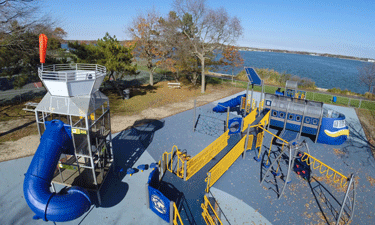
{"x": 42, "y": 47}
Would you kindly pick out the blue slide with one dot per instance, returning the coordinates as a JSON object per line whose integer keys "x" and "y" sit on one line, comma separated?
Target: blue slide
{"x": 222, "y": 107}
{"x": 66, "y": 205}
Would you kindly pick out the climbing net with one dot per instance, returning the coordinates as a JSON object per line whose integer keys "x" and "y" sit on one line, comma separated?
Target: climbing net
{"x": 210, "y": 123}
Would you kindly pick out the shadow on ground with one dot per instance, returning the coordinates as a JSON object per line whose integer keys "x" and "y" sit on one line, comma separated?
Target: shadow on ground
{"x": 128, "y": 146}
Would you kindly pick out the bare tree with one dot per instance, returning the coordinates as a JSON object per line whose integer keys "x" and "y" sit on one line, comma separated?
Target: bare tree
{"x": 207, "y": 30}
{"x": 26, "y": 13}
{"x": 20, "y": 24}
{"x": 367, "y": 75}
{"x": 144, "y": 30}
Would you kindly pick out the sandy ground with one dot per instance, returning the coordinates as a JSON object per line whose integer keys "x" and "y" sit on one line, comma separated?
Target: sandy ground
{"x": 27, "y": 146}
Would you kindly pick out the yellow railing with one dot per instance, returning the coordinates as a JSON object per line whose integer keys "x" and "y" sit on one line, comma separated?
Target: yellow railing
{"x": 337, "y": 176}
{"x": 168, "y": 156}
{"x": 249, "y": 119}
{"x": 208, "y": 218}
{"x": 261, "y": 105}
{"x": 250, "y": 142}
{"x": 223, "y": 165}
{"x": 176, "y": 216}
{"x": 205, "y": 156}
{"x": 181, "y": 159}
{"x": 168, "y": 159}
{"x": 260, "y": 137}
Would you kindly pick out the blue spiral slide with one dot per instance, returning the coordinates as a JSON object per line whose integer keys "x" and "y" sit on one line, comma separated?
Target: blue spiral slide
{"x": 66, "y": 205}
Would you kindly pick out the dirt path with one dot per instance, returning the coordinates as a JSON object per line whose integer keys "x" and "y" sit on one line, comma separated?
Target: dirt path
{"x": 27, "y": 146}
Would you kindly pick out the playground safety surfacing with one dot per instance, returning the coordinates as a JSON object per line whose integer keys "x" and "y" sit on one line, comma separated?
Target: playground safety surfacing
{"x": 238, "y": 192}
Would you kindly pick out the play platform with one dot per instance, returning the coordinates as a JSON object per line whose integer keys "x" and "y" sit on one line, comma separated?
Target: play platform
{"x": 238, "y": 191}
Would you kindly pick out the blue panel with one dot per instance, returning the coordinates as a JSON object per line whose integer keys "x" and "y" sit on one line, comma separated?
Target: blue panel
{"x": 253, "y": 76}
{"x": 159, "y": 204}
{"x": 331, "y": 135}
{"x": 237, "y": 128}
{"x": 153, "y": 178}
{"x": 309, "y": 130}
{"x": 277, "y": 123}
{"x": 293, "y": 127}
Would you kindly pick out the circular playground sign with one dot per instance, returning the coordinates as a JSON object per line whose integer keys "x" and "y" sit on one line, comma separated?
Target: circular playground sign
{"x": 158, "y": 204}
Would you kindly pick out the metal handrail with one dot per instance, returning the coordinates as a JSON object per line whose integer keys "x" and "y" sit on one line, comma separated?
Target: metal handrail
{"x": 71, "y": 72}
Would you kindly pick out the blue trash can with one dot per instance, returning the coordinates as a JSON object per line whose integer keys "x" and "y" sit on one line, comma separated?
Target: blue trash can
{"x": 334, "y": 99}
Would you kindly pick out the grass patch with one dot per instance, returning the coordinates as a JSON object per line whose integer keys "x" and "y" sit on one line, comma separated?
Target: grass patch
{"x": 147, "y": 96}
{"x": 14, "y": 111}
{"x": 18, "y": 134}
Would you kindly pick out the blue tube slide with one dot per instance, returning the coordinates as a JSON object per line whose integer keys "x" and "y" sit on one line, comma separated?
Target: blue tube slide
{"x": 69, "y": 203}
{"x": 222, "y": 107}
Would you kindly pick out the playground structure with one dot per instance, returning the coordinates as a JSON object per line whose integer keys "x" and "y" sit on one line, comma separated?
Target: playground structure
{"x": 291, "y": 90}
{"x": 302, "y": 163}
{"x": 75, "y": 150}
{"x": 297, "y": 116}
{"x": 300, "y": 116}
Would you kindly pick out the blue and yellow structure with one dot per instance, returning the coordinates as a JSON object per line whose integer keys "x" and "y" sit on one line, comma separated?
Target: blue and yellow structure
{"x": 307, "y": 117}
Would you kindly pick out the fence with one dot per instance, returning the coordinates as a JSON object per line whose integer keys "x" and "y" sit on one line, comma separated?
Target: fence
{"x": 20, "y": 95}
{"x": 209, "y": 214}
{"x": 205, "y": 156}
{"x": 322, "y": 97}
{"x": 223, "y": 165}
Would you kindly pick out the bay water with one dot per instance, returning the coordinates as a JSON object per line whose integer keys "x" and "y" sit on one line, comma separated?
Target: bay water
{"x": 326, "y": 72}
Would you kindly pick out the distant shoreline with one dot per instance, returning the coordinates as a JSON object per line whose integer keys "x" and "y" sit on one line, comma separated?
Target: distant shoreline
{"x": 249, "y": 49}
{"x": 264, "y": 50}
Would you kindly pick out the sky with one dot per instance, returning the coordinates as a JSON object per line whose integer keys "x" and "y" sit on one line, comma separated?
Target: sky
{"x": 336, "y": 27}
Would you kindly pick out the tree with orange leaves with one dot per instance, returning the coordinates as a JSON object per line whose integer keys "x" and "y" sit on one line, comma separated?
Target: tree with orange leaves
{"x": 144, "y": 31}
{"x": 231, "y": 58}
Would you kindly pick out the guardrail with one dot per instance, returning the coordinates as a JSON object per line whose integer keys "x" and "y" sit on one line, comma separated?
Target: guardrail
{"x": 210, "y": 218}
{"x": 168, "y": 161}
{"x": 206, "y": 155}
{"x": 223, "y": 165}
{"x": 71, "y": 72}
{"x": 176, "y": 216}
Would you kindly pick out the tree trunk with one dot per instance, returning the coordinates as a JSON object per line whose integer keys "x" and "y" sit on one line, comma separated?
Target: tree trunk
{"x": 114, "y": 85}
{"x": 203, "y": 88}
{"x": 151, "y": 78}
